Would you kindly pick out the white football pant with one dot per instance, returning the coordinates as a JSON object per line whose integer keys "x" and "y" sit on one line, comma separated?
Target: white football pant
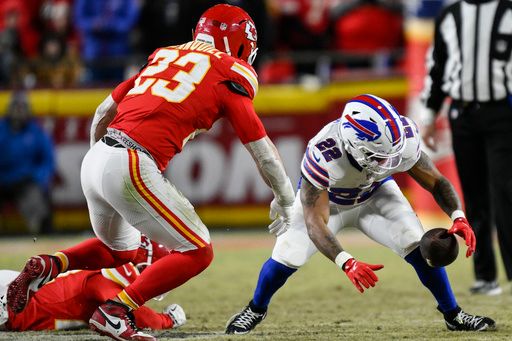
{"x": 387, "y": 218}
{"x": 127, "y": 194}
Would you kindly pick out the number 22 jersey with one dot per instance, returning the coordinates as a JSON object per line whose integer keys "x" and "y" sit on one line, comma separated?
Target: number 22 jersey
{"x": 328, "y": 166}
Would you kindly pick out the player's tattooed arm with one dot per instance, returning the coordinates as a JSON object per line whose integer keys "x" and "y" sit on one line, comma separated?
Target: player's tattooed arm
{"x": 315, "y": 203}
{"x": 429, "y": 177}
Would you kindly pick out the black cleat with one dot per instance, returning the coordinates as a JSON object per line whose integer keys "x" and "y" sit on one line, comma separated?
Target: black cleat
{"x": 467, "y": 322}
{"x": 244, "y": 321}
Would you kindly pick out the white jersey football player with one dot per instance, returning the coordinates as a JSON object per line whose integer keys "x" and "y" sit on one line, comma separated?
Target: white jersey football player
{"x": 346, "y": 182}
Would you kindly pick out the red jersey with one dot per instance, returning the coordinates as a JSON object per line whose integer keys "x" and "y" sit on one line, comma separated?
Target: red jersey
{"x": 70, "y": 300}
{"x": 182, "y": 91}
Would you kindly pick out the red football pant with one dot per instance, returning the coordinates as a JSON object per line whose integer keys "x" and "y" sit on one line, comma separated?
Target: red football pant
{"x": 168, "y": 273}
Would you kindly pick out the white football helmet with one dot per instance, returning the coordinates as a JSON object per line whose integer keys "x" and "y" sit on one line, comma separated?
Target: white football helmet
{"x": 373, "y": 133}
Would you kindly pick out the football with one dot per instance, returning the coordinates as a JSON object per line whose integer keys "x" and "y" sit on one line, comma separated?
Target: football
{"x": 438, "y": 247}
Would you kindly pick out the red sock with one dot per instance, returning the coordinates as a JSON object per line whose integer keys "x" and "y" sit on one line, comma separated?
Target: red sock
{"x": 92, "y": 254}
{"x": 166, "y": 274}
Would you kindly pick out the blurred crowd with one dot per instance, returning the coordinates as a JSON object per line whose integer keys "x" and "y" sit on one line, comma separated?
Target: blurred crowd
{"x": 65, "y": 43}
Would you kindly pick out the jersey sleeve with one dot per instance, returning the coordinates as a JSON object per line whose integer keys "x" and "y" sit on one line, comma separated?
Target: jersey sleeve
{"x": 122, "y": 89}
{"x": 412, "y": 150}
{"x": 243, "y": 74}
{"x": 239, "y": 110}
{"x": 314, "y": 169}
{"x": 122, "y": 275}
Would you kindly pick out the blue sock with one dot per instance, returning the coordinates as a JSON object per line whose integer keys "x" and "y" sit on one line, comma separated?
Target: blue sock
{"x": 273, "y": 275}
{"x": 435, "y": 279}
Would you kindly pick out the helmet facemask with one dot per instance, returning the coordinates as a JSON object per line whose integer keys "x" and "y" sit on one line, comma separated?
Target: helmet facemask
{"x": 373, "y": 161}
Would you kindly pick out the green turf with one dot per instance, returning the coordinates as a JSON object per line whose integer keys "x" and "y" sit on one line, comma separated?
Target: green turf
{"x": 317, "y": 303}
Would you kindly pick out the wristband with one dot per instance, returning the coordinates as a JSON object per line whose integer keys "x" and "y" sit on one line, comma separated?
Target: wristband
{"x": 457, "y": 214}
{"x": 342, "y": 258}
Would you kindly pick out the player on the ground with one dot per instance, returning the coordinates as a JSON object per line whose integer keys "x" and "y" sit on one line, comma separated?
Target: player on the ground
{"x": 181, "y": 92}
{"x": 68, "y": 301}
{"x": 346, "y": 181}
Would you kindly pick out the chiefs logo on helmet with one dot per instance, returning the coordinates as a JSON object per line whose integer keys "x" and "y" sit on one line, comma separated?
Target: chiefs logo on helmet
{"x": 229, "y": 29}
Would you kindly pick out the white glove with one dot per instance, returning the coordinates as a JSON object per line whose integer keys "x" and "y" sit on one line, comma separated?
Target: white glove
{"x": 177, "y": 314}
{"x": 282, "y": 217}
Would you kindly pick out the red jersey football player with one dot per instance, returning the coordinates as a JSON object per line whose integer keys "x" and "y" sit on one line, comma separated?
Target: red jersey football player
{"x": 181, "y": 92}
{"x": 68, "y": 301}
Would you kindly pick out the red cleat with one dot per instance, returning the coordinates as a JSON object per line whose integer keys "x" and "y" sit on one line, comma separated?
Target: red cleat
{"x": 38, "y": 271}
{"x": 114, "y": 319}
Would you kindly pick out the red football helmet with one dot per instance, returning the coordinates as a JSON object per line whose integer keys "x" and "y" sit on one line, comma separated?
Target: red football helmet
{"x": 229, "y": 29}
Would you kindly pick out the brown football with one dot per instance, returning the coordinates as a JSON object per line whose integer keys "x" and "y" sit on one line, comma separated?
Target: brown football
{"x": 438, "y": 247}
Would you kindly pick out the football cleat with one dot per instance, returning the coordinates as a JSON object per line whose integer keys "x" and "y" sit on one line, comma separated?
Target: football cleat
{"x": 467, "y": 322}
{"x": 115, "y": 320}
{"x": 177, "y": 315}
{"x": 490, "y": 288}
{"x": 244, "y": 321}
{"x": 38, "y": 271}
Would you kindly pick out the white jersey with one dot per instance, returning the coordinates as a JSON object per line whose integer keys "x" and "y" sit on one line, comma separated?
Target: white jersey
{"x": 327, "y": 165}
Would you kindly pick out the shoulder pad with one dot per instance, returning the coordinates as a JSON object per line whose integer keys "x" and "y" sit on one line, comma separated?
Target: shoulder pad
{"x": 412, "y": 149}
{"x": 314, "y": 169}
{"x": 244, "y": 75}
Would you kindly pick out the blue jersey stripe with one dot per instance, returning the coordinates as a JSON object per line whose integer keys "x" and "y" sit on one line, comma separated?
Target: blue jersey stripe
{"x": 315, "y": 165}
{"x": 314, "y": 176}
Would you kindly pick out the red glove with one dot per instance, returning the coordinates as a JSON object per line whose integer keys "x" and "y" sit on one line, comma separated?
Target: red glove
{"x": 462, "y": 228}
{"x": 361, "y": 273}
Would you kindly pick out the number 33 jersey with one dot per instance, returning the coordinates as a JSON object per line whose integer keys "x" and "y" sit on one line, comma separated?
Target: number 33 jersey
{"x": 181, "y": 92}
{"x": 328, "y": 166}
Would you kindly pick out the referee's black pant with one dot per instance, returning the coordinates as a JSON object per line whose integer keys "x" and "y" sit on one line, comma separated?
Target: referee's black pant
{"x": 482, "y": 143}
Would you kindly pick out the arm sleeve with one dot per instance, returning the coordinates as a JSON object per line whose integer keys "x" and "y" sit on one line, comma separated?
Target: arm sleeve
{"x": 433, "y": 94}
{"x": 122, "y": 89}
{"x": 148, "y": 318}
{"x": 239, "y": 110}
{"x": 314, "y": 169}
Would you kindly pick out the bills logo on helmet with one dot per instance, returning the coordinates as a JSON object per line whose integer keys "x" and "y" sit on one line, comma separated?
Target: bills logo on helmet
{"x": 365, "y": 130}
{"x": 250, "y": 31}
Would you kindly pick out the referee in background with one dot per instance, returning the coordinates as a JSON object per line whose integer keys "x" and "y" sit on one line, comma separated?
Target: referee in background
{"x": 470, "y": 61}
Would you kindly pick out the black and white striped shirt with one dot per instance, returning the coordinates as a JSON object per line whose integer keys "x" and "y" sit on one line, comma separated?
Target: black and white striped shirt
{"x": 470, "y": 58}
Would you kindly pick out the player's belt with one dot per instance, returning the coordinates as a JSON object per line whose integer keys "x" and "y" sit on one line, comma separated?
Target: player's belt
{"x": 109, "y": 141}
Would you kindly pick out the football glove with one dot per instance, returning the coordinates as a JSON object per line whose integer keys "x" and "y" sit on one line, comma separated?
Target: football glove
{"x": 361, "y": 273}
{"x": 177, "y": 315}
{"x": 462, "y": 228}
{"x": 281, "y": 216}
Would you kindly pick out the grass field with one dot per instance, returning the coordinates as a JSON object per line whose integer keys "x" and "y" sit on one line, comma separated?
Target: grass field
{"x": 317, "y": 303}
